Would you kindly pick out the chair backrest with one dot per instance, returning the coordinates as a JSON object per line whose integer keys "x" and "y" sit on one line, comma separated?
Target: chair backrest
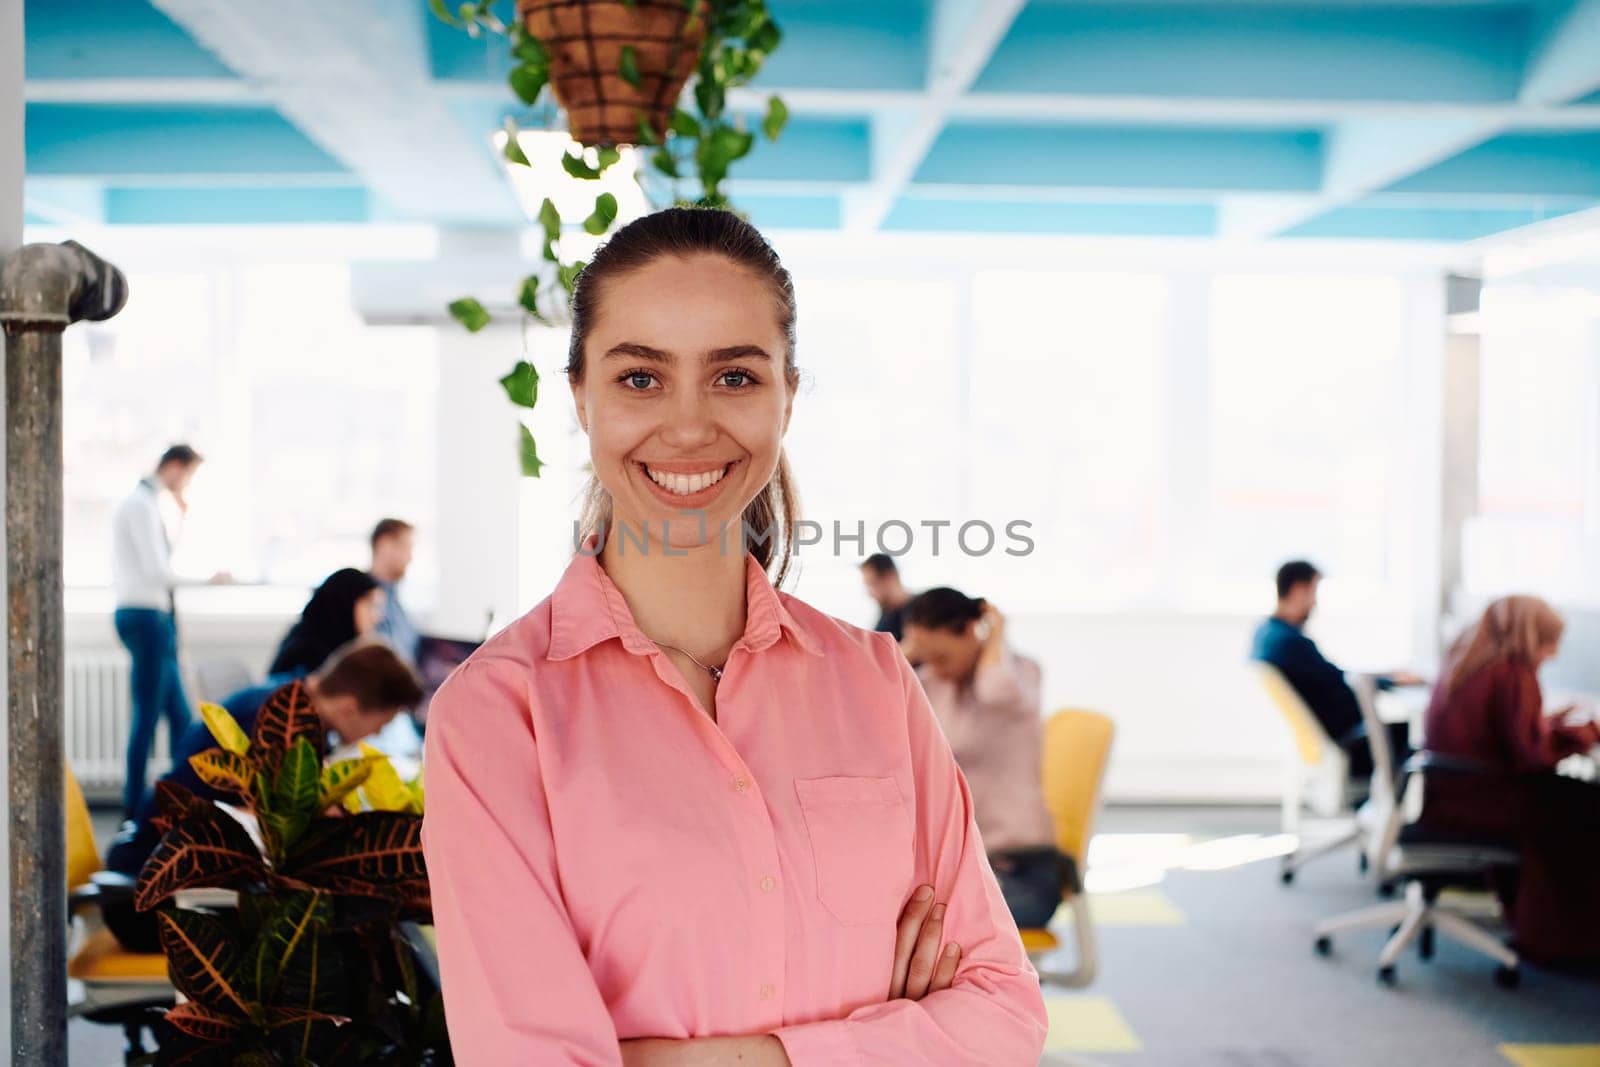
{"x": 1310, "y": 739}
{"x": 218, "y": 678}
{"x": 1077, "y": 747}
{"x": 83, "y": 858}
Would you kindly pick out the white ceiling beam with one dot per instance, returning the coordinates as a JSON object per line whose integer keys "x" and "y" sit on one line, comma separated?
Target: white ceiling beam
{"x": 963, "y": 36}
{"x": 1565, "y": 63}
{"x": 1361, "y": 156}
{"x": 141, "y": 91}
{"x": 353, "y": 77}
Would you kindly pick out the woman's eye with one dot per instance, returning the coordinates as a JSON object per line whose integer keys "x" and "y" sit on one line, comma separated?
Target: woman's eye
{"x": 639, "y": 381}
{"x": 735, "y": 379}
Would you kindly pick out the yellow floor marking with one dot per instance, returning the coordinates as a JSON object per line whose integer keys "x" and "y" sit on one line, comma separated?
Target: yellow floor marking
{"x": 1089, "y": 1024}
{"x": 1552, "y": 1055}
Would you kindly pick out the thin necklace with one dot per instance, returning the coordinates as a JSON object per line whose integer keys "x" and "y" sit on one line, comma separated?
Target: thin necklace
{"x": 715, "y": 672}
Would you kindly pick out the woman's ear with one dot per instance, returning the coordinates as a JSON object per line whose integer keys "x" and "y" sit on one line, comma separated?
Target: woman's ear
{"x": 578, "y": 406}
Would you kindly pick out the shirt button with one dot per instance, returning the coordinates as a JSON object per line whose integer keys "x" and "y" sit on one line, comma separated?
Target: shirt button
{"x": 766, "y": 992}
{"x": 742, "y": 784}
{"x": 768, "y": 885}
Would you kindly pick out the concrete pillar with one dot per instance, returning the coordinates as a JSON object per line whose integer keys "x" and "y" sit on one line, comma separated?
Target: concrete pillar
{"x": 11, "y": 165}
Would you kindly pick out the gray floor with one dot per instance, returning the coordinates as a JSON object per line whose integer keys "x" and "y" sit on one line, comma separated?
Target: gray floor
{"x": 1236, "y": 985}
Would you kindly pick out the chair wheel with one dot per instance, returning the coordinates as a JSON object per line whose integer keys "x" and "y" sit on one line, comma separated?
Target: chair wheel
{"x": 1361, "y": 863}
{"x": 1323, "y": 945}
{"x": 1287, "y": 877}
{"x": 1425, "y": 943}
{"x": 1386, "y": 976}
{"x": 1507, "y": 977}
{"x": 1386, "y": 890}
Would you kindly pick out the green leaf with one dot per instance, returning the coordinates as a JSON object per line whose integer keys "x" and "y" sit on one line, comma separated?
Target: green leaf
{"x": 647, "y": 134}
{"x": 224, "y": 729}
{"x": 663, "y": 160}
{"x": 765, "y": 39}
{"x": 709, "y": 92}
{"x": 684, "y": 124}
{"x": 299, "y": 781}
{"x": 522, "y": 384}
{"x": 606, "y": 155}
{"x": 628, "y": 66}
{"x": 716, "y": 152}
{"x": 528, "y": 81}
{"x": 514, "y": 152}
{"x": 528, "y": 297}
{"x": 567, "y": 274}
{"x": 578, "y": 167}
{"x": 286, "y": 959}
{"x": 442, "y": 13}
{"x": 339, "y": 779}
{"x": 527, "y": 47}
{"x": 202, "y": 958}
{"x": 605, "y": 213}
{"x": 550, "y": 220}
{"x": 777, "y": 117}
{"x": 531, "y": 463}
{"x": 469, "y": 313}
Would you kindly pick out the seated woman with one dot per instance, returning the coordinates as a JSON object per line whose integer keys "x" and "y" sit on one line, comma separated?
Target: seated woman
{"x": 676, "y": 816}
{"x": 987, "y": 699}
{"x": 347, "y": 605}
{"x": 1487, "y": 707}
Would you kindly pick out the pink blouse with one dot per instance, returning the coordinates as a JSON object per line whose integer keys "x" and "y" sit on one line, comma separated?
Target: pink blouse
{"x": 608, "y": 863}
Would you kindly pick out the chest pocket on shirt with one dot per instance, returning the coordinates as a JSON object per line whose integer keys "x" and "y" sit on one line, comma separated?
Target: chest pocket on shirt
{"x": 860, "y": 832}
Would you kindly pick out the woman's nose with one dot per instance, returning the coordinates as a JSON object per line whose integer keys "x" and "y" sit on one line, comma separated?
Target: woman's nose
{"x": 689, "y": 423}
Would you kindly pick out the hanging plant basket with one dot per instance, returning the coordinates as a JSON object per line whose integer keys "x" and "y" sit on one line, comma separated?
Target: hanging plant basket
{"x": 606, "y": 93}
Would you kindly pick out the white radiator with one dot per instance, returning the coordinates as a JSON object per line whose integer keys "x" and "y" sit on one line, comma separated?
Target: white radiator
{"x": 99, "y": 718}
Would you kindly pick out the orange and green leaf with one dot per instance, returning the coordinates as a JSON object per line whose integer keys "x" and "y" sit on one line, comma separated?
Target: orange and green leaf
{"x": 226, "y": 772}
{"x": 225, "y": 729}
{"x": 202, "y": 958}
{"x": 206, "y": 849}
{"x": 287, "y": 714}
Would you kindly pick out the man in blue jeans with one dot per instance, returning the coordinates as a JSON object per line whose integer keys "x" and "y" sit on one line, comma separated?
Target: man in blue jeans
{"x": 143, "y": 581}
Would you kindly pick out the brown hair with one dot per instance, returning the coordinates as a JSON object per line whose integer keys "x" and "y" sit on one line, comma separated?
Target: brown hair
{"x": 373, "y": 673}
{"x": 388, "y": 528}
{"x": 684, "y": 232}
{"x": 1513, "y": 627}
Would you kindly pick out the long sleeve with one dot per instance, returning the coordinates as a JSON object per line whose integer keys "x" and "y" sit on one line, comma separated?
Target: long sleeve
{"x": 993, "y": 1013}
{"x": 516, "y": 984}
{"x": 1008, "y": 685}
{"x": 1534, "y": 740}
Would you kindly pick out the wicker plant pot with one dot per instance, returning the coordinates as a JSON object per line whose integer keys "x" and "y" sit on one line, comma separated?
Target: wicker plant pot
{"x": 585, "y": 39}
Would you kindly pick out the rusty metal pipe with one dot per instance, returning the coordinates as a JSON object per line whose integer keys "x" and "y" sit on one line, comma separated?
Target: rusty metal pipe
{"x": 43, "y": 289}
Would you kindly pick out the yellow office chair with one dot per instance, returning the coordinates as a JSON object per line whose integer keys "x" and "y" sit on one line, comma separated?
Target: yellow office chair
{"x": 1077, "y": 747}
{"x": 109, "y": 984}
{"x": 1316, "y": 774}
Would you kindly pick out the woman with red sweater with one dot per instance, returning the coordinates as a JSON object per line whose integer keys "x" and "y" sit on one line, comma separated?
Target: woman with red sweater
{"x": 1488, "y": 707}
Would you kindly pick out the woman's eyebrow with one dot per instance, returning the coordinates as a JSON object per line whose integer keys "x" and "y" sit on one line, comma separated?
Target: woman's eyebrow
{"x": 633, "y": 350}
{"x": 733, "y": 352}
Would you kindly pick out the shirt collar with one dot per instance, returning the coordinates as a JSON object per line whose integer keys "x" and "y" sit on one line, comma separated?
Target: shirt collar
{"x": 587, "y": 608}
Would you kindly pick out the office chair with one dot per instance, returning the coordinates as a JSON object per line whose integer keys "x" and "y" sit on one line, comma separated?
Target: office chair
{"x": 109, "y": 984}
{"x": 1316, "y": 776}
{"x": 1077, "y": 747}
{"x": 1430, "y": 860}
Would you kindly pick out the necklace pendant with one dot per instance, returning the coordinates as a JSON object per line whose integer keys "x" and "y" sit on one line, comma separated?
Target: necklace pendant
{"x": 715, "y": 672}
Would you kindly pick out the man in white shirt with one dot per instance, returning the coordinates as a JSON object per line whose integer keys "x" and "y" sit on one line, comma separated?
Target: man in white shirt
{"x": 143, "y": 581}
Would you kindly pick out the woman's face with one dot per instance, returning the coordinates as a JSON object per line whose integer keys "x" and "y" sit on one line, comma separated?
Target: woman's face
{"x": 951, "y": 657}
{"x": 1546, "y": 653}
{"x": 369, "y": 611}
{"x": 684, "y": 396}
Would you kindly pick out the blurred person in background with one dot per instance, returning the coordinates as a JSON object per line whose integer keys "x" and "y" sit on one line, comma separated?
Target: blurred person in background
{"x": 356, "y": 693}
{"x": 1281, "y": 641}
{"x": 391, "y": 556}
{"x": 882, "y": 579}
{"x": 143, "y": 583}
{"x": 988, "y": 700}
{"x": 1488, "y": 708}
{"x": 349, "y": 604}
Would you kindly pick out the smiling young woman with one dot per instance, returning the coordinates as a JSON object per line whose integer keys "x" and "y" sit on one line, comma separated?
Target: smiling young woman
{"x": 676, "y": 816}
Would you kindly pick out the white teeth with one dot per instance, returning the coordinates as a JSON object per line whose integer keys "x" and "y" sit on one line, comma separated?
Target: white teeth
{"x": 684, "y": 484}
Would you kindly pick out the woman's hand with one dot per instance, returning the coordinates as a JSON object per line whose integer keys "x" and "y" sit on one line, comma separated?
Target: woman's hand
{"x": 919, "y": 967}
{"x": 991, "y": 628}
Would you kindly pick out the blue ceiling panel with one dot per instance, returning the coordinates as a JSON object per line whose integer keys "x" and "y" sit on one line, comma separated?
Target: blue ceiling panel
{"x": 453, "y": 55}
{"x": 791, "y": 212}
{"x": 1530, "y": 163}
{"x": 1052, "y": 217}
{"x": 1365, "y": 220}
{"x": 116, "y": 139}
{"x": 1467, "y": 52}
{"x": 811, "y": 149}
{"x": 224, "y": 204}
{"x": 1140, "y": 157}
{"x": 110, "y": 39}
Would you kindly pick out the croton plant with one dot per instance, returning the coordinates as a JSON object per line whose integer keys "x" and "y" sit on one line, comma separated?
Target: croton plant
{"x": 317, "y": 963}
